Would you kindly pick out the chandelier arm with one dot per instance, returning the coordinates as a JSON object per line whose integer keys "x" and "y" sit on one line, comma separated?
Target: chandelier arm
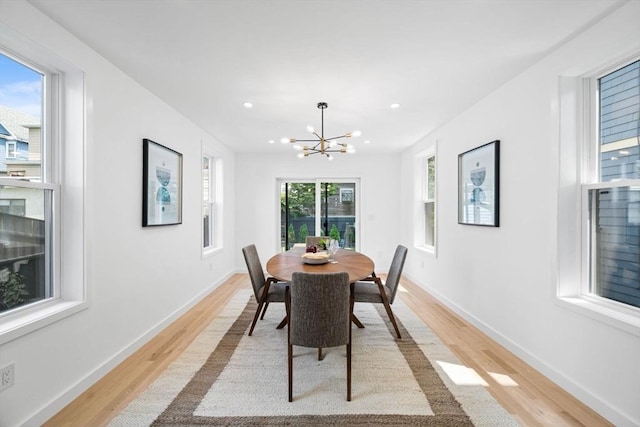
{"x": 336, "y": 137}
{"x": 322, "y": 144}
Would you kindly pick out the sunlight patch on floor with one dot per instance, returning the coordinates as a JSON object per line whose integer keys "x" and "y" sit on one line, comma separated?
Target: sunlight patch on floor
{"x": 503, "y": 380}
{"x": 462, "y": 375}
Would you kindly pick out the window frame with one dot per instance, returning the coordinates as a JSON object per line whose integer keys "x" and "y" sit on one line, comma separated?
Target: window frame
{"x": 577, "y": 152}
{"x": 429, "y": 201}
{"x": 423, "y": 200}
{"x": 317, "y": 183}
{"x": 62, "y": 161}
{"x": 15, "y": 150}
{"x": 592, "y": 180}
{"x": 214, "y": 203}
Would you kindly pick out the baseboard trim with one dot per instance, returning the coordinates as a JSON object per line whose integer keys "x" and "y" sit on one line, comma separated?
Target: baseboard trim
{"x": 69, "y": 395}
{"x": 570, "y": 386}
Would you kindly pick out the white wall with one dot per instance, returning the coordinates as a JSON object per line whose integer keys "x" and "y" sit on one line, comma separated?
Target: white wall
{"x": 137, "y": 279}
{"x": 257, "y": 203}
{"x": 504, "y": 279}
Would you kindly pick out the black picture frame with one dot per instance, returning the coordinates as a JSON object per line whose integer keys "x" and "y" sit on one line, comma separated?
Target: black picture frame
{"x": 479, "y": 185}
{"x": 161, "y": 185}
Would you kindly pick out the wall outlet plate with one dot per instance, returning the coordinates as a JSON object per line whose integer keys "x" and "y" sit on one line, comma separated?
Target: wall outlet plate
{"x": 7, "y": 376}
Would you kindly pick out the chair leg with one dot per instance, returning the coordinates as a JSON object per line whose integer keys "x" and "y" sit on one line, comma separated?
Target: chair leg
{"x": 287, "y": 307}
{"x": 255, "y": 318}
{"x": 282, "y": 323}
{"x": 320, "y": 353}
{"x": 357, "y": 321}
{"x": 290, "y": 370}
{"x": 351, "y": 304}
{"x": 349, "y": 372}
{"x": 387, "y": 307}
{"x": 266, "y": 305}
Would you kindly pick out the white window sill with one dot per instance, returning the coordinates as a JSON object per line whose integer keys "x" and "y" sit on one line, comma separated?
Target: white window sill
{"x": 209, "y": 252}
{"x": 426, "y": 249}
{"x": 625, "y": 320}
{"x": 21, "y": 324}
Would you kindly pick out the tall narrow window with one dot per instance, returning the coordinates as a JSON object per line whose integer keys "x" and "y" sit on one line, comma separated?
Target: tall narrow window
{"x": 208, "y": 202}
{"x": 42, "y": 262}
{"x": 26, "y": 192}
{"x": 614, "y": 196}
{"x": 430, "y": 202}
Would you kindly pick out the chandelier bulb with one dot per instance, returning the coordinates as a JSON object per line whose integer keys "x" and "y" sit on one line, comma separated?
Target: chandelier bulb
{"x": 323, "y": 146}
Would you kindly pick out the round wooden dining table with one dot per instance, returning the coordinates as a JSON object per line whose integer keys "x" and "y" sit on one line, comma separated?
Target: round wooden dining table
{"x": 284, "y": 264}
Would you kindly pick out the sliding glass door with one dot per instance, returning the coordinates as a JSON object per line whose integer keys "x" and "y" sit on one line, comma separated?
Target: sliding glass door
{"x": 320, "y": 207}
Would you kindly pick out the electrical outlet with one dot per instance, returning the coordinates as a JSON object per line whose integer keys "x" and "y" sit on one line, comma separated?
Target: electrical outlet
{"x": 7, "y": 376}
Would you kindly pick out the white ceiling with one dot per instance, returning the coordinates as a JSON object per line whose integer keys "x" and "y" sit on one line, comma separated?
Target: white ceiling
{"x": 434, "y": 57}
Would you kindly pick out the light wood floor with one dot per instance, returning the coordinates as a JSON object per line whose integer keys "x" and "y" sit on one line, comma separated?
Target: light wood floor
{"x": 534, "y": 401}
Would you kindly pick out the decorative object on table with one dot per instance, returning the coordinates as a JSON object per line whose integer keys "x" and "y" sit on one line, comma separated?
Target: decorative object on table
{"x": 265, "y": 290}
{"x": 161, "y": 185}
{"x": 319, "y": 311}
{"x": 322, "y": 145}
{"x": 479, "y": 185}
{"x": 315, "y": 257}
{"x": 316, "y": 243}
{"x": 333, "y": 247}
{"x": 365, "y": 291}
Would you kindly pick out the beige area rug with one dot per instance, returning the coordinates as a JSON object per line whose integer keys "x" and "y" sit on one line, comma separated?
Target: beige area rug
{"x": 226, "y": 377}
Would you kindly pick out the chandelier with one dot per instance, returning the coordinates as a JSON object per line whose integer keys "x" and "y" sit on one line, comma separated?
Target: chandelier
{"x": 322, "y": 145}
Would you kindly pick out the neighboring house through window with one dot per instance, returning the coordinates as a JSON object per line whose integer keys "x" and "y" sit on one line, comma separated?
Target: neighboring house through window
{"x": 35, "y": 250}
{"x": 614, "y": 191}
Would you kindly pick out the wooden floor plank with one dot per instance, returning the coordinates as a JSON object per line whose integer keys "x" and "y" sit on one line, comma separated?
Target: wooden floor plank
{"x": 534, "y": 401}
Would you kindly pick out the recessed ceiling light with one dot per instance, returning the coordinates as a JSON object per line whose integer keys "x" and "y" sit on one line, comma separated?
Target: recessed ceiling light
{"x": 395, "y": 105}
{"x": 247, "y": 105}
{"x": 367, "y": 142}
{"x": 271, "y": 141}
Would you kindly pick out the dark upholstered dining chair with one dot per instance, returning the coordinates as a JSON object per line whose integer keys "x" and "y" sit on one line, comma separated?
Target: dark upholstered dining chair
{"x": 373, "y": 290}
{"x": 265, "y": 290}
{"x": 319, "y": 309}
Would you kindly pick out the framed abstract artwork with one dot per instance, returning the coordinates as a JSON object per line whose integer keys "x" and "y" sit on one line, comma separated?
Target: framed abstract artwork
{"x": 479, "y": 185}
{"x": 161, "y": 185}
